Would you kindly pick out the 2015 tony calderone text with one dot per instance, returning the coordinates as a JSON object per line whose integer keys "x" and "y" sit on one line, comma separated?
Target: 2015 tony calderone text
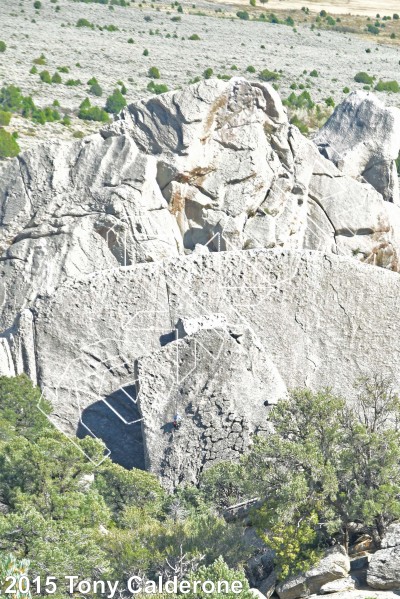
{"x": 71, "y": 584}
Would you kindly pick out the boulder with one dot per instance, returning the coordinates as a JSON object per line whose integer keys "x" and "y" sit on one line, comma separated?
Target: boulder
{"x": 99, "y": 340}
{"x": 392, "y": 536}
{"x": 213, "y": 167}
{"x": 362, "y": 138}
{"x": 268, "y": 585}
{"x": 338, "y": 586}
{"x": 384, "y": 569}
{"x": 333, "y": 567}
{"x": 222, "y": 389}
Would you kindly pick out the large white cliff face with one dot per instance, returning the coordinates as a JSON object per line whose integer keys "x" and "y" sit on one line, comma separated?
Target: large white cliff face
{"x": 256, "y": 283}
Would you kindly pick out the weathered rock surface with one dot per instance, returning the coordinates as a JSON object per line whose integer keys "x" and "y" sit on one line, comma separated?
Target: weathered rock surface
{"x": 214, "y": 166}
{"x": 333, "y": 567}
{"x": 212, "y": 170}
{"x": 220, "y": 385}
{"x": 392, "y": 536}
{"x": 384, "y": 569}
{"x": 346, "y": 139}
{"x": 94, "y": 337}
{"x": 337, "y": 586}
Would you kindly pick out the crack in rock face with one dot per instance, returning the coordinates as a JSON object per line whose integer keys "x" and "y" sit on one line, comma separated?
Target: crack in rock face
{"x": 196, "y": 216}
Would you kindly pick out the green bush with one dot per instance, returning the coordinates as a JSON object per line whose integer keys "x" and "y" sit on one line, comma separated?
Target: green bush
{"x": 33, "y": 70}
{"x": 243, "y": 15}
{"x": 56, "y": 78}
{"x": 303, "y": 100}
{"x": 73, "y": 82}
{"x": 250, "y": 69}
{"x": 346, "y": 90}
{"x": 157, "y": 88}
{"x": 37, "y": 4}
{"x": 363, "y": 77}
{"x": 116, "y": 102}
{"x": 396, "y": 16}
{"x": 302, "y": 127}
{"x": 208, "y": 73}
{"x": 145, "y": 52}
{"x": 63, "y": 69}
{"x": 131, "y": 40}
{"x": 373, "y": 29}
{"x": 387, "y": 86}
{"x": 194, "y": 37}
{"x": 154, "y": 73}
{"x": 84, "y": 23}
{"x": 330, "y": 102}
{"x": 252, "y": 3}
{"x": 314, "y": 73}
{"x": 45, "y": 76}
{"x": 41, "y": 60}
{"x": 93, "y": 113}
{"x": 96, "y": 89}
{"x": 3, "y": 46}
{"x": 5, "y": 118}
{"x": 9, "y": 148}
{"x": 267, "y": 75}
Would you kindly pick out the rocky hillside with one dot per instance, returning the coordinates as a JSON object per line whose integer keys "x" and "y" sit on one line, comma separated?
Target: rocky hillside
{"x": 200, "y": 255}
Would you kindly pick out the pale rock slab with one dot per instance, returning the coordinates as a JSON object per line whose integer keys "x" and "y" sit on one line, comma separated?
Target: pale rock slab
{"x": 362, "y": 137}
{"x": 384, "y": 569}
{"x": 333, "y": 567}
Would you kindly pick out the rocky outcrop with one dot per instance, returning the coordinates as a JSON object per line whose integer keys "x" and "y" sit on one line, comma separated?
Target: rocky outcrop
{"x": 116, "y": 331}
{"x": 221, "y": 384}
{"x": 384, "y": 569}
{"x": 362, "y": 138}
{"x": 335, "y": 566}
{"x": 216, "y": 166}
{"x": 102, "y": 305}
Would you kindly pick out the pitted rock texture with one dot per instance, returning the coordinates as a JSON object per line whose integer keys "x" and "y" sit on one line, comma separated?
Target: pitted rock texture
{"x": 220, "y": 385}
{"x": 384, "y": 569}
{"x": 314, "y": 317}
{"x": 216, "y": 166}
{"x": 362, "y": 138}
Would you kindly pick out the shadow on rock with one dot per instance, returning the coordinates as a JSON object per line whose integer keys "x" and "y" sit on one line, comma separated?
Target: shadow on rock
{"x": 107, "y": 420}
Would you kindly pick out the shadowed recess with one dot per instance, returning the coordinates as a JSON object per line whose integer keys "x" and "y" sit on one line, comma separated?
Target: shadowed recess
{"x": 106, "y": 422}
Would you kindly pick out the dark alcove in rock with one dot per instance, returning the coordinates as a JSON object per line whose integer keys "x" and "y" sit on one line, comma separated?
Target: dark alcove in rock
{"x": 109, "y": 420}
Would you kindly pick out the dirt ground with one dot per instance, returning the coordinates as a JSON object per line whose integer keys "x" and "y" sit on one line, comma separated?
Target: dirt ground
{"x": 354, "y": 7}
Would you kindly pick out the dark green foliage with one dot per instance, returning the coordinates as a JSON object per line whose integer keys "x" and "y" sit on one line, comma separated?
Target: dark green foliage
{"x": 208, "y": 73}
{"x": 157, "y": 88}
{"x": 243, "y": 14}
{"x": 131, "y": 40}
{"x": 346, "y": 90}
{"x": 37, "y": 4}
{"x": 93, "y": 113}
{"x": 363, "y": 77}
{"x": 250, "y": 69}
{"x": 5, "y": 118}
{"x": 41, "y": 60}
{"x": 11, "y": 98}
{"x": 116, "y": 102}
{"x": 63, "y": 69}
{"x": 45, "y": 76}
{"x": 96, "y": 89}
{"x": 194, "y": 37}
{"x": 9, "y": 148}
{"x": 145, "y": 52}
{"x": 84, "y": 23}
{"x": 387, "y": 86}
{"x": 3, "y": 46}
{"x": 314, "y": 73}
{"x": 154, "y": 73}
{"x": 373, "y": 29}
{"x": 56, "y": 78}
{"x": 303, "y": 100}
{"x": 302, "y": 127}
{"x": 267, "y": 75}
{"x": 33, "y": 70}
{"x": 330, "y": 102}
{"x": 73, "y": 82}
